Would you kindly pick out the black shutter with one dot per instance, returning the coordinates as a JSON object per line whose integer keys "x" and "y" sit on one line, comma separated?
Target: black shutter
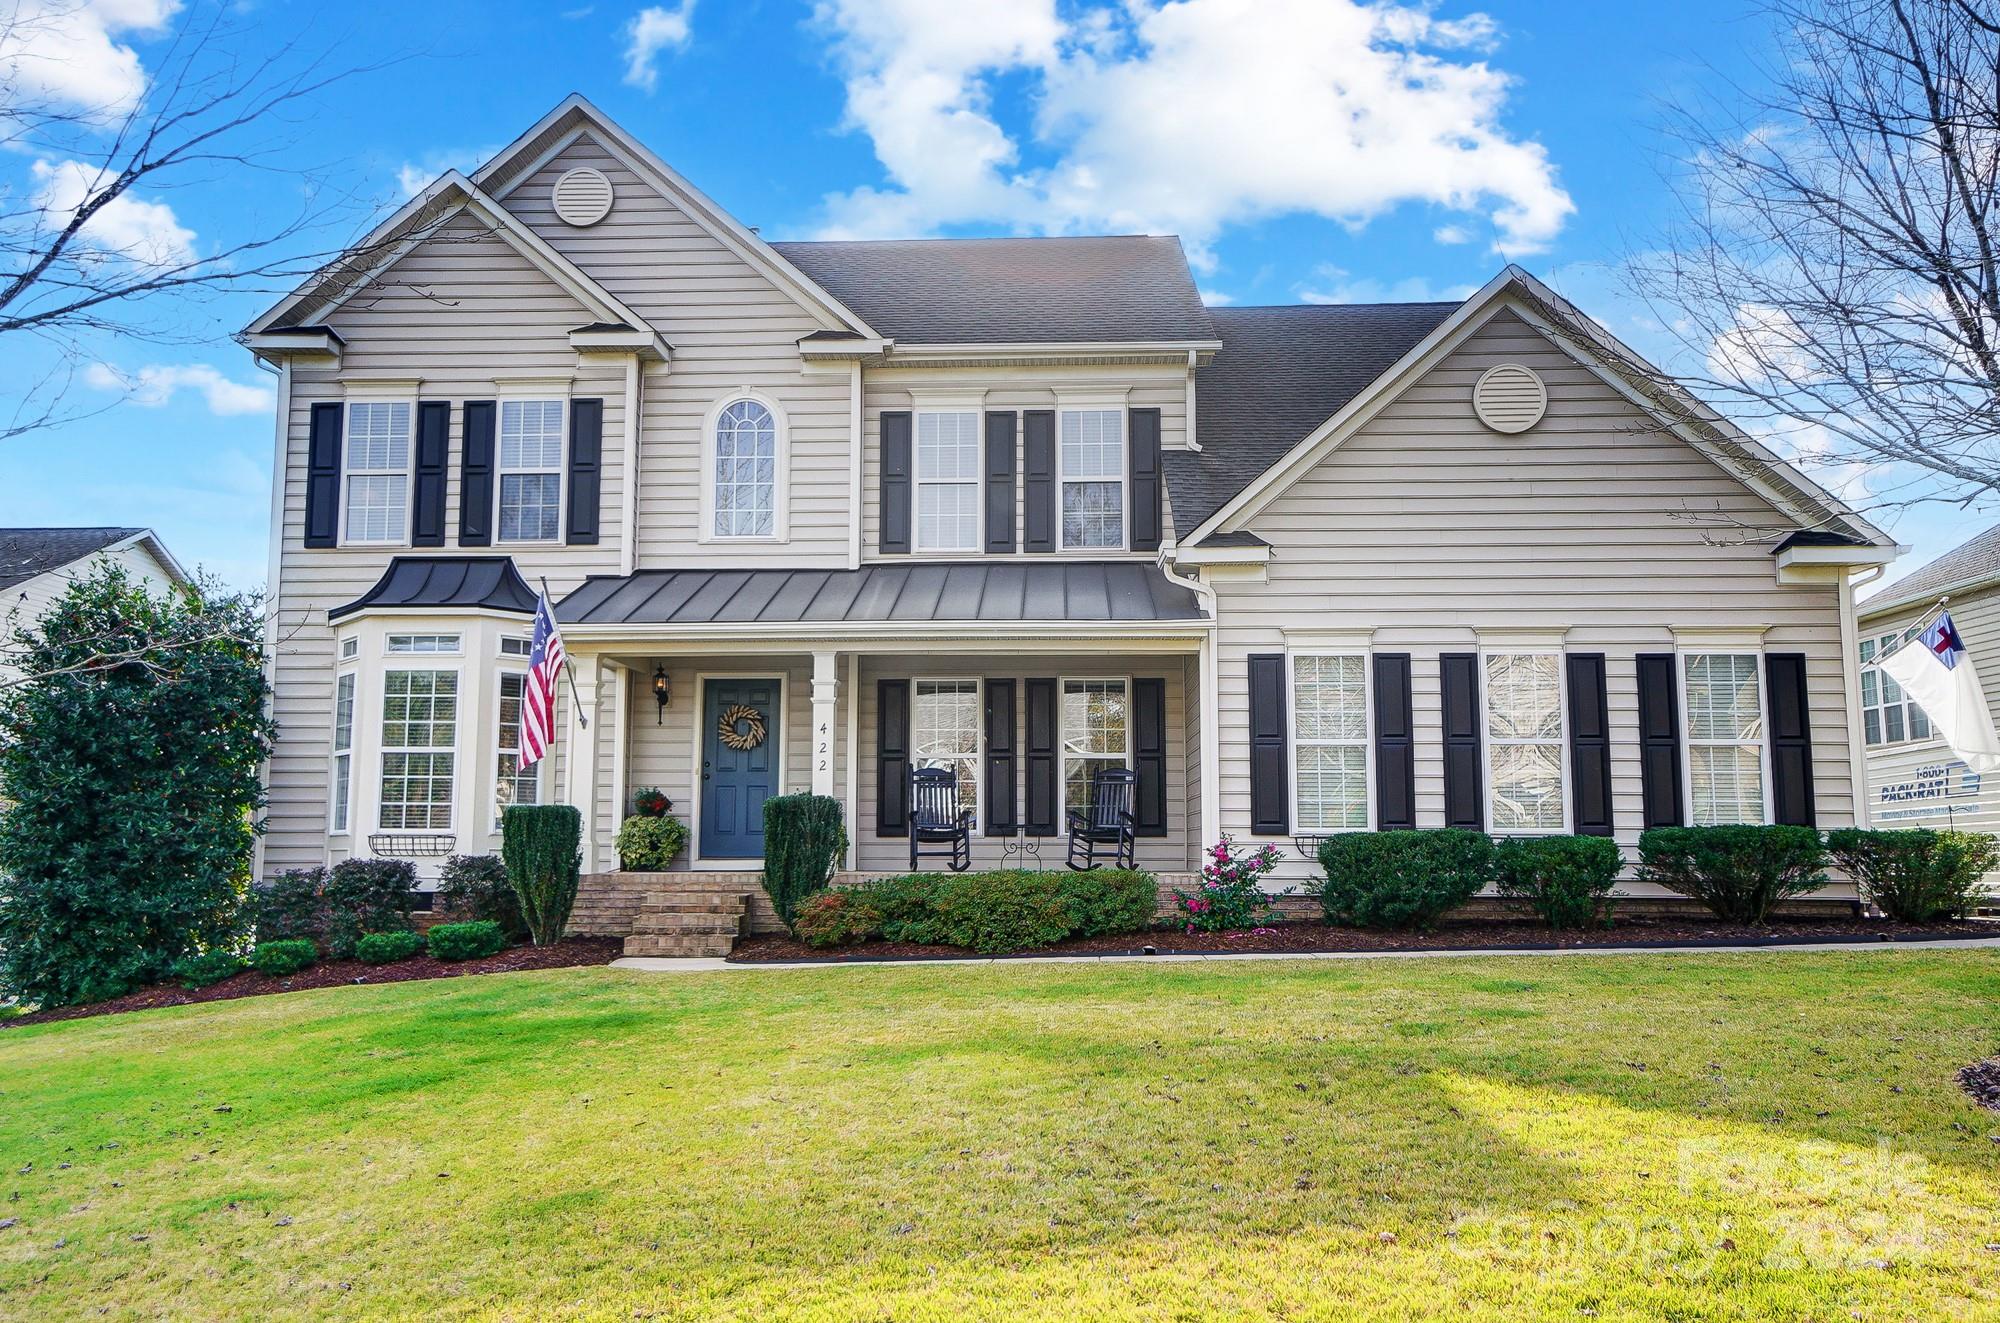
{"x": 1791, "y": 740}
{"x": 1659, "y": 740}
{"x": 323, "y": 476}
{"x": 1038, "y": 489}
{"x": 1043, "y": 799}
{"x": 1149, "y": 754}
{"x": 1464, "y": 796}
{"x": 1270, "y": 779}
{"x": 586, "y": 470}
{"x": 1003, "y": 801}
{"x": 892, "y": 757}
{"x": 433, "y": 452}
{"x": 475, "y": 473}
{"x": 1395, "y": 744}
{"x": 999, "y": 484}
{"x": 895, "y": 532}
{"x": 1144, "y": 440}
{"x": 1589, "y": 743}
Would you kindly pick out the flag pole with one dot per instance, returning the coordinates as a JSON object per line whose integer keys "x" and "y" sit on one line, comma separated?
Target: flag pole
{"x": 575, "y": 699}
{"x": 1909, "y": 632}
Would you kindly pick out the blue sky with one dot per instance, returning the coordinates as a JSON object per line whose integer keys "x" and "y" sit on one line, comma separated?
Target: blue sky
{"x": 1306, "y": 149}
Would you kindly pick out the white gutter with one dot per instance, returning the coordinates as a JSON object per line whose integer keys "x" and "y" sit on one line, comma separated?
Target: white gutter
{"x": 1210, "y": 706}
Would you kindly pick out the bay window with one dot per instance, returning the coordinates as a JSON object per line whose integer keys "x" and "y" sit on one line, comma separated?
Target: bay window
{"x": 1091, "y": 471}
{"x": 343, "y": 749}
{"x": 1524, "y": 742}
{"x": 1724, "y": 701}
{"x": 944, "y": 730}
{"x": 1330, "y": 742}
{"x": 511, "y": 784}
{"x": 530, "y": 470}
{"x": 947, "y": 481}
{"x": 377, "y": 505}
{"x": 419, "y": 749}
{"x": 1096, "y": 734}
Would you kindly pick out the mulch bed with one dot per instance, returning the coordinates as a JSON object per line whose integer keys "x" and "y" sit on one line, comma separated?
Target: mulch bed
{"x": 1981, "y": 1082}
{"x": 343, "y": 973}
{"x": 1464, "y": 935}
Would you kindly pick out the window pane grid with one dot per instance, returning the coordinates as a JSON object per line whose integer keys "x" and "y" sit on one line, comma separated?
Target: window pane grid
{"x": 945, "y": 732}
{"x": 1095, "y": 734}
{"x": 343, "y": 749}
{"x": 947, "y": 473}
{"x": 530, "y": 468}
{"x": 1330, "y": 739}
{"x": 378, "y": 461}
{"x": 1093, "y": 478}
{"x": 1725, "y": 726}
{"x": 1524, "y": 739}
{"x": 746, "y": 471}
{"x": 513, "y": 786}
{"x": 1888, "y": 715}
{"x": 419, "y": 739}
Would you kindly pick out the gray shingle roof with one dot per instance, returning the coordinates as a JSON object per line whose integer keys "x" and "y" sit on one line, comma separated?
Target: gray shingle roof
{"x": 1082, "y": 591}
{"x": 1281, "y": 372}
{"x": 446, "y": 582}
{"x": 998, "y": 291}
{"x": 26, "y": 552}
{"x": 1975, "y": 562}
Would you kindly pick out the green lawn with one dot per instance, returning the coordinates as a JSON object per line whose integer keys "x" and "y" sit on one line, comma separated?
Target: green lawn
{"x": 1692, "y": 1137}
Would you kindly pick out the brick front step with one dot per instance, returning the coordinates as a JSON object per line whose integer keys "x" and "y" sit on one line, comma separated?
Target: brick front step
{"x": 668, "y": 925}
{"x": 680, "y": 944}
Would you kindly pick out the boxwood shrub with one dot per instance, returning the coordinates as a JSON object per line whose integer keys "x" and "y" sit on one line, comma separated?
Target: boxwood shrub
{"x": 541, "y": 845}
{"x": 1402, "y": 879}
{"x": 1917, "y": 876}
{"x": 647, "y": 843}
{"x": 366, "y": 896}
{"x": 286, "y": 956}
{"x": 387, "y": 948}
{"x": 804, "y": 837}
{"x": 210, "y": 967}
{"x": 466, "y": 941}
{"x": 1566, "y": 880}
{"x": 1739, "y": 872}
{"x": 837, "y": 918}
{"x": 475, "y": 886}
{"x": 989, "y": 912}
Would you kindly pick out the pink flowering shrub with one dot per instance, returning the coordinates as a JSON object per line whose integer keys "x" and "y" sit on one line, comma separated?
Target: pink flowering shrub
{"x": 1231, "y": 894}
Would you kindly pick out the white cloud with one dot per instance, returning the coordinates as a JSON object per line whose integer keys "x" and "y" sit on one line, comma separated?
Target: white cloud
{"x": 1452, "y": 234}
{"x": 1339, "y": 286}
{"x": 413, "y": 177}
{"x": 652, "y": 30}
{"x": 1215, "y": 298}
{"x": 154, "y": 385}
{"x": 1184, "y": 117}
{"x": 1764, "y": 346}
{"x": 68, "y": 54}
{"x": 130, "y": 227}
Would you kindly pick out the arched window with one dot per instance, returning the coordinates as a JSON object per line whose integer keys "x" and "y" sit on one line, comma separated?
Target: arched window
{"x": 744, "y": 477}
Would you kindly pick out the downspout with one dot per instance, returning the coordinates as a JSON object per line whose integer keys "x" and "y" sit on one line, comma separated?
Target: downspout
{"x": 854, "y": 466}
{"x": 1193, "y": 441}
{"x": 281, "y": 429}
{"x": 1850, "y": 673}
{"x": 628, "y": 549}
{"x": 1209, "y": 703}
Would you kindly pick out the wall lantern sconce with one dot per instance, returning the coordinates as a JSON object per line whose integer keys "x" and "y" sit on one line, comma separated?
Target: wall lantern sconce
{"x": 662, "y": 692}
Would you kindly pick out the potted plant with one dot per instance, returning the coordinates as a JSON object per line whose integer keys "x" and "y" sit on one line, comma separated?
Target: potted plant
{"x": 650, "y": 803}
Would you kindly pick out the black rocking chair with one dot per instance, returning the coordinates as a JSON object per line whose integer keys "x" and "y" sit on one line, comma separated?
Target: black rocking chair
{"x": 936, "y": 819}
{"x": 1107, "y": 822}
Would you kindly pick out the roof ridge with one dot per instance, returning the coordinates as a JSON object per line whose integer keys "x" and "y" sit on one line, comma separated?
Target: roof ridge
{"x": 974, "y": 238}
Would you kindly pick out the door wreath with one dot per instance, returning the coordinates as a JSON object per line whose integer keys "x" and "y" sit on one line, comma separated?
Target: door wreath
{"x": 741, "y": 727}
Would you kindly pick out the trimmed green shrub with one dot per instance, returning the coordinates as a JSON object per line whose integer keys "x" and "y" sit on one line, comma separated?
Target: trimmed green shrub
{"x": 804, "y": 837}
{"x": 541, "y": 844}
{"x": 466, "y": 941}
{"x": 286, "y": 956}
{"x": 648, "y": 844}
{"x": 908, "y": 904}
{"x": 1402, "y": 879}
{"x": 1739, "y": 872}
{"x": 837, "y": 918}
{"x": 995, "y": 912}
{"x": 387, "y": 948}
{"x": 208, "y": 968}
{"x": 366, "y": 896}
{"x": 1917, "y": 876}
{"x": 475, "y": 886}
{"x": 1567, "y": 880}
{"x": 1108, "y": 900}
{"x": 290, "y": 905}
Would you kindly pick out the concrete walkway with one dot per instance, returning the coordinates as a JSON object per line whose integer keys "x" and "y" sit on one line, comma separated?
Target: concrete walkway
{"x": 666, "y": 965}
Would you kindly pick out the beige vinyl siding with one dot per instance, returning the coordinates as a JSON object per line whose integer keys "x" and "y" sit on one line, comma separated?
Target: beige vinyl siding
{"x": 1169, "y": 852}
{"x": 456, "y": 314}
{"x": 730, "y": 329}
{"x": 1162, "y": 388}
{"x": 1894, "y": 767}
{"x": 1427, "y": 528}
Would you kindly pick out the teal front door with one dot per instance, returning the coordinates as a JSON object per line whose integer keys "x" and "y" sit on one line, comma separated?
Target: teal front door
{"x": 739, "y": 766}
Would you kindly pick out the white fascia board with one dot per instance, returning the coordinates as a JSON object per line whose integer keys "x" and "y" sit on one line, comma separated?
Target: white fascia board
{"x": 1222, "y": 555}
{"x": 863, "y": 347}
{"x": 645, "y": 343}
{"x": 274, "y": 347}
{"x": 1176, "y": 350}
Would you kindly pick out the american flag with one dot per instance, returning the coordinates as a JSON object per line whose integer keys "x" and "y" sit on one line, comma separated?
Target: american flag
{"x": 538, "y": 699}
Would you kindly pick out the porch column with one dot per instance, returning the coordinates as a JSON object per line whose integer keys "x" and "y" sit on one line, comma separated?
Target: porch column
{"x": 825, "y": 691}
{"x": 580, "y": 768}
{"x": 619, "y": 699}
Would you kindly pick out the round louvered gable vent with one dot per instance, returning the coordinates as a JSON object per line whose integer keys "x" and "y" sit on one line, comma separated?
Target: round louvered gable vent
{"x": 1510, "y": 398}
{"x": 583, "y": 196}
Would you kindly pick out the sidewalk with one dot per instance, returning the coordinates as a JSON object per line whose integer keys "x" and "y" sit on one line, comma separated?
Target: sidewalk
{"x": 666, "y": 965}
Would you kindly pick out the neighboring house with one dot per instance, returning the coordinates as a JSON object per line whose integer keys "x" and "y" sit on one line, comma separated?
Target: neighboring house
{"x": 1022, "y": 507}
{"x": 1914, "y": 779}
{"x": 37, "y": 566}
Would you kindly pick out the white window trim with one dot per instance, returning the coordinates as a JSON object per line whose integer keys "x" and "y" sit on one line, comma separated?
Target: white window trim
{"x": 1681, "y": 654}
{"x": 334, "y": 826}
{"x": 1062, "y": 733}
{"x": 1293, "y": 742}
{"x": 561, "y": 470}
{"x": 977, "y": 482}
{"x": 500, "y": 675}
{"x": 1487, "y": 743}
{"x": 1065, "y": 405}
{"x": 780, "y": 477}
{"x": 979, "y": 736}
{"x": 456, "y": 749}
{"x": 348, "y": 472}
{"x": 394, "y": 656}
